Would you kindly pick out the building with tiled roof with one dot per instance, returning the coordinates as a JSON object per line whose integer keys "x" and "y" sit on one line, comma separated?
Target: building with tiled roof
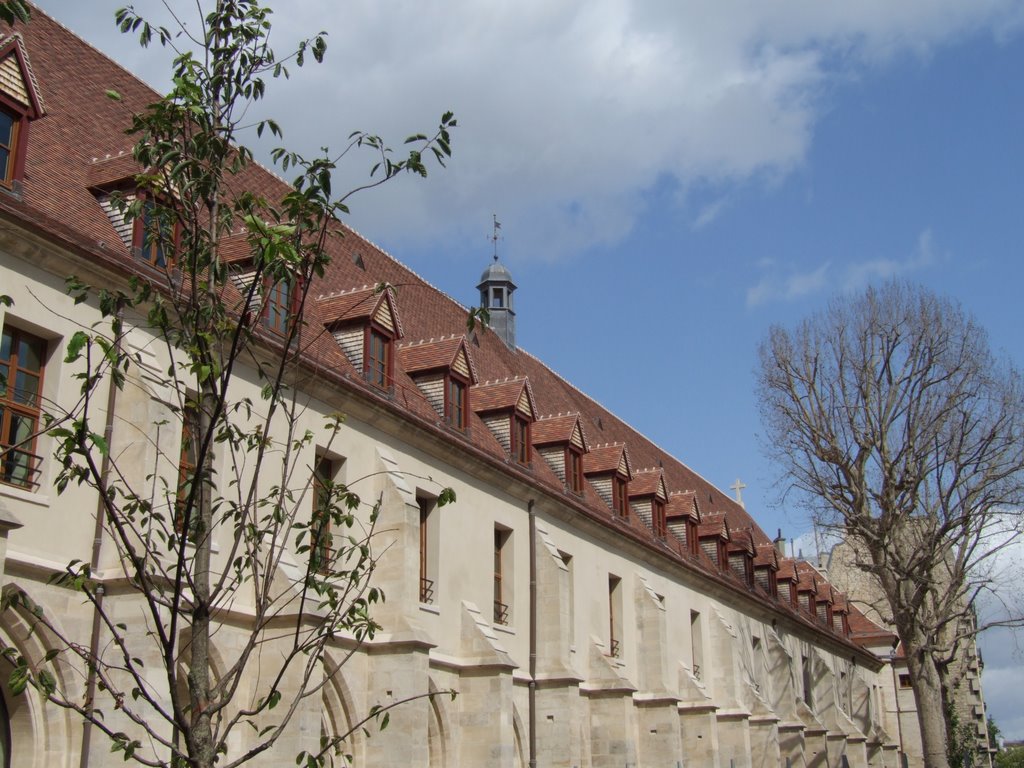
{"x": 593, "y": 600}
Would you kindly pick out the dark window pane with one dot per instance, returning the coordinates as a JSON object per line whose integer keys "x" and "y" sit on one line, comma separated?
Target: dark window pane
{"x": 6, "y": 129}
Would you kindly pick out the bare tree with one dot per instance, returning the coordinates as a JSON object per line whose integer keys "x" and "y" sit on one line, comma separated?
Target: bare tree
{"x": 231, "y": 343}
{"x": 896, "y": 426}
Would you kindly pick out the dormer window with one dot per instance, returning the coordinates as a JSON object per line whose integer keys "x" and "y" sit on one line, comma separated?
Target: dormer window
{"x": 647, "y": 497}
{"x": 365, "y": 324}
{"x": 377, "y": 366}
{"x": 8, "y": 146}
{"x": 607, "y": 468}
{"x": 19, "y": 104}
{"x": 561, "y": 443}
{"x": 658, "y": 523}
{"x": 443, "y": 372}
{"x": 620, "y": 496}
{"x": 155, "y": 235}
{"x": 507, "y": 410}
{"x": 574, "y": 469}
{"x": 455, "y": 405}
{"x": 521, "y": 439}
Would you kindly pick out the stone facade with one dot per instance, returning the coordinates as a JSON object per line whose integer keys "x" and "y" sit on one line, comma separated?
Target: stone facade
{"x": 609, "y": 644}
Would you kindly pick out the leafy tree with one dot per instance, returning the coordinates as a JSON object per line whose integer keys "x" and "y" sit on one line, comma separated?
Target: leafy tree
{"x": 893, "y": 422}
{"x": 1011, "y": 757}
{"x": 194, "y": 200}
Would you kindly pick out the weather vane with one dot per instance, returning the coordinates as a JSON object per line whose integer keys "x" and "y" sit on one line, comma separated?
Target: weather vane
{"x": 495, "y": 236}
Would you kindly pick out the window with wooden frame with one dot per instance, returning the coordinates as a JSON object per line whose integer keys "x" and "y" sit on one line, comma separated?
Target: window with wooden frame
{"x": 456, "y": 404}
{"x": 155, "y": 233}
{"x": 321, "y": 541}
{"x": 520, "y": 439}
{"x": 614, "y": 616}
{"x": 10, "y": 125}
{"x": 278, "y": 306}
{"x": 620, "y": 495}
{"x": 658, "y": 522}
{"x": 696, "y": 644}
{"x": 502, "y": 576}
{"x": 377, "y": 358}
{"x": 22, "y": 360}
{"x": 574, "y": 469}
{"x": 428, "y": 548}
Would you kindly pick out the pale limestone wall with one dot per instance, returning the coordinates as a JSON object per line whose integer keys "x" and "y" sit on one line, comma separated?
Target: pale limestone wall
{"x": 646, "y": 707}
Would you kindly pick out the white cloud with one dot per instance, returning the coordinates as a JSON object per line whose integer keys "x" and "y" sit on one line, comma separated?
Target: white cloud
{"x": 568, "y": 111}
{"x": 784, "y": 282}
{"x": 794, "y": 285}
{"x": 859, "y": 274}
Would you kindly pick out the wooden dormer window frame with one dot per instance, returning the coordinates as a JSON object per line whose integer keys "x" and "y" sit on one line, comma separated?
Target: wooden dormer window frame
{"x": 519, "y": 434}
{"x": 15, "y": 117}
{"x": 574, "y": 469}
{"x": 456, "y": 401}
{"x": 659, "y": 523}
{"x": 620, "y": 495}
{"x": 378, "y": 356}
{"x": 158, "y": 252}
{"x": 692, "y": 537}
{"x": 14, "y": 132}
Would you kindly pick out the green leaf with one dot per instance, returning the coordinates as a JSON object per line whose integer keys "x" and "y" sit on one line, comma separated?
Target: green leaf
{"x": 75, "y": 345}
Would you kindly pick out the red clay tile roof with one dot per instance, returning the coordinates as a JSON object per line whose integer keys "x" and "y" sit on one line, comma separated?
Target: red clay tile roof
{"x": 556, "y": 429}
{"x": 434, "y": 354}
{"x": 647, "y": 482}
{"x": 603, "y": 459}
{"x": 714, "y": 524}
{"x": 113, "y": 171}
{"x": 682, "y": 504}
{"x": 359, "y": 304}
{"x": 500, "y": 395}
{"x": 807, "y": 577}
{"x": 787, "y": 570}
{"x": 863, "y": 631}
{"x": 767, "y": 555}
{"x": 741, "y": 540}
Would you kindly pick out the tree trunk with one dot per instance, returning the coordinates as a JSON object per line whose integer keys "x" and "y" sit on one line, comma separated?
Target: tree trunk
{"x": 927, "y": 685}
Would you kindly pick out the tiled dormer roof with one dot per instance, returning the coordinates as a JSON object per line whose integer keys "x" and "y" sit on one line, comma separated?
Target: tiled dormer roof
{"x": 360, "y": 304}
{"x": 511, "y": 394}
{"x": 714, "y": 524}
{"x": 807, "y": 580}
{"x": 682, "y": 504}
{"x": 768, "y": 556}
{"x": 606, "y": 459}
{"x": 21, "y": 77}
{"x": 551, "y": 430}
{"x": 113, "y": 170}
{"x": 741, "y": 540}
{"x": 648, "y": 482}
{"x": 787, "y": 570}
{"x": 437, "y": 354}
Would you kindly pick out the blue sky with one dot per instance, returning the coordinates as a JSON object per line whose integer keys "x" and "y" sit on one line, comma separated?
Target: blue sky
{"x": 674, "y": 178}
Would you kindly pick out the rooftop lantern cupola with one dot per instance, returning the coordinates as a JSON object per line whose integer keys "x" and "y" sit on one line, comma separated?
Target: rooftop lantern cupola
{"x": 496, "y": 289}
